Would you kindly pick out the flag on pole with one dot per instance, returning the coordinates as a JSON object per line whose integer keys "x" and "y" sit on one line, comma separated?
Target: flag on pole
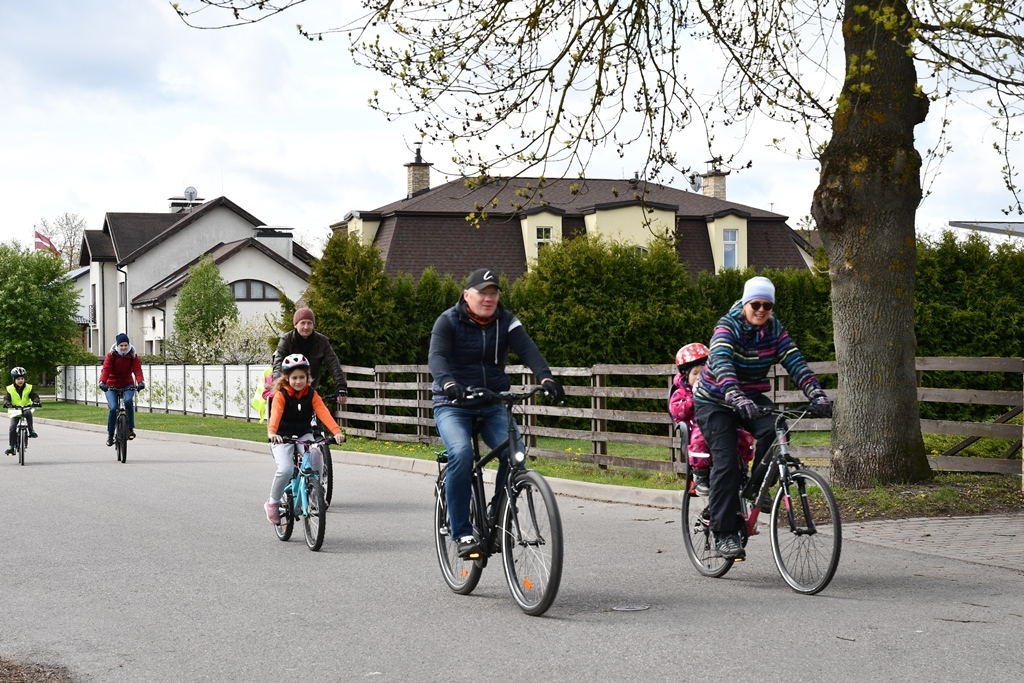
{"x": 43, "y": 242}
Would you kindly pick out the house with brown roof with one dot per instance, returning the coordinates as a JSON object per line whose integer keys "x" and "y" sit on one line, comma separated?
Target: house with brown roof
{"x": 139, "y": 261}
{"x": 429, "y": 227}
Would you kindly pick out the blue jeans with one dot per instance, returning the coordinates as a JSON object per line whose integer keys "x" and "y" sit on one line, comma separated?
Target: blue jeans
{"x": 455, "y": 426}
{"x": 129, "y": 408}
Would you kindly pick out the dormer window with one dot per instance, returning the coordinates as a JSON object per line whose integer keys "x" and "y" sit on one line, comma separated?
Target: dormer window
{"x": 730, "y": 248}
{"x": 543, "y": 237}
{"x": 253, "y": 290}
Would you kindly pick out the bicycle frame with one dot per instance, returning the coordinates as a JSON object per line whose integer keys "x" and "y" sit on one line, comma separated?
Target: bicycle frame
{"x": 781, "y": 461}
{"x": 516, "y": 463}
{"x": 303, "y": 471}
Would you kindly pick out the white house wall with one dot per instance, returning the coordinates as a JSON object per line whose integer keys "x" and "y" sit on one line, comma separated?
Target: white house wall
{"x": 222, "y": 225}
{"x": 249, "y": 264}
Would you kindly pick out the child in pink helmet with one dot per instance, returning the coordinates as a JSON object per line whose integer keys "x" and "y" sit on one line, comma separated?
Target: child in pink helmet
{"x": 690, "y": 361}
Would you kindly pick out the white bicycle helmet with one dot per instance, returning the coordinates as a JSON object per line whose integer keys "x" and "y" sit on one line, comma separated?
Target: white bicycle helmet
{"x": 295, "y": 360}
{"x": 17, "y": 372}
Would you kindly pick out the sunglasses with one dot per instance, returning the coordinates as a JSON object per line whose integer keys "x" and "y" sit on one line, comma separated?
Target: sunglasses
{"x": 756, "y": 305}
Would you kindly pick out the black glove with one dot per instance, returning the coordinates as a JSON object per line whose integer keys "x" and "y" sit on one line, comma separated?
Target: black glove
{"x": 103, "y": 387}
{"x": 744, "y": 407}
{"x": 140, "y": 386}
{"x": 455, "y": 392}
{"x": 553, "y": 390}
{"x": 820, "y": 403}
{"x": 341, "y": 393}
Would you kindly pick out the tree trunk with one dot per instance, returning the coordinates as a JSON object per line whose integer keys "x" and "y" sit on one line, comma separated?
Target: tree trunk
{"x": 865, "y": 207}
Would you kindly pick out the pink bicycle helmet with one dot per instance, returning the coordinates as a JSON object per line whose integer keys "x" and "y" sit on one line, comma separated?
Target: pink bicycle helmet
{"x": 690, "y": 355}
{"x": 296, "y": 360}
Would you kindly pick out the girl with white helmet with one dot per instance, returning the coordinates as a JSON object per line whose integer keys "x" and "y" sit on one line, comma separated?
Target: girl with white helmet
{"x": 290, "y": 415}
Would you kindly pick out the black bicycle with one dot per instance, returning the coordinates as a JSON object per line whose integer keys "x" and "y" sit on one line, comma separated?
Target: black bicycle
{"x": 21, "y": 435}
{"x": 327, "y": 477}
{"x": 121, "y": 430}
{"x": 805, "y": 528}
{"x": 524, "y": 527}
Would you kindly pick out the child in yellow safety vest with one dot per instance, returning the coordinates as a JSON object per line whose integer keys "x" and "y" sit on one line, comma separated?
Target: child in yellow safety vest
{"x": 19, "y": 395}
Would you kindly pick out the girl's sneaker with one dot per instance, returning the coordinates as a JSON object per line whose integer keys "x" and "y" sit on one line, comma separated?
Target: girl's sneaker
{"x": 702, "y": 481}
{"x": 273, "y": 514}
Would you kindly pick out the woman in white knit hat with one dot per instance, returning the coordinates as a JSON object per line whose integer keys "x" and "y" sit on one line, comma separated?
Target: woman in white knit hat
{"x": 746, "y": 343}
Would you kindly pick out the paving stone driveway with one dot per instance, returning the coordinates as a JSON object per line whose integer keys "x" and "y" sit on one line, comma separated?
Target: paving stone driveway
{"x": 994, "y": 540}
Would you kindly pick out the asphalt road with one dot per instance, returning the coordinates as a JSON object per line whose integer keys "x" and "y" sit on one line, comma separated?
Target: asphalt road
{"x": 165, "y": 569}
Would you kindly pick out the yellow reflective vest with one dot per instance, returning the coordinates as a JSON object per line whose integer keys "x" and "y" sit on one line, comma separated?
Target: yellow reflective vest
{"x": 25, "y": 399}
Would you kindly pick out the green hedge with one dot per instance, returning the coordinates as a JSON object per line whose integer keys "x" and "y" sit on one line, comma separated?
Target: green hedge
{"x": 588, "y": 301}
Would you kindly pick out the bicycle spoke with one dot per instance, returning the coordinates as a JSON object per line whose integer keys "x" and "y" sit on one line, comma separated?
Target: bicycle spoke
{"x": 531, "y": 544}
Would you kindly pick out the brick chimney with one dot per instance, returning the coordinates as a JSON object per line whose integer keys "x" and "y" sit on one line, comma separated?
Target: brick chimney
{"x": 419, "y": 174}
{"x": 714, "y": 180}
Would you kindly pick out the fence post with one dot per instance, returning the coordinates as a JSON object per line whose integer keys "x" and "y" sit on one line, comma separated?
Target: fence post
{"x": 379, "y": 426}
{"x": 530, "y": 417}
{"x": 598, "y": 426}
{"x": 424, "y": 395}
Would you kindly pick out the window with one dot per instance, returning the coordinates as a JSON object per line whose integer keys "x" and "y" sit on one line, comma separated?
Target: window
{"x": 543, "y": 237}
{"x": 253, "y": 290}
{"x": 122, "y": 293}
{"x": 729, "y": 248}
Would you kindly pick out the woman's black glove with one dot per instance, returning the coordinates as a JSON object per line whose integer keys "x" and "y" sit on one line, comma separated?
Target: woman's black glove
{"x": 741, "y": 403}
{"x": 820, "y": 403}
{"x": 140, "y": 386}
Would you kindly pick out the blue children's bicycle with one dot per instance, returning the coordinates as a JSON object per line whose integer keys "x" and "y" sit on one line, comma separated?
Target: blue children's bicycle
{"x": 304, "y": 496}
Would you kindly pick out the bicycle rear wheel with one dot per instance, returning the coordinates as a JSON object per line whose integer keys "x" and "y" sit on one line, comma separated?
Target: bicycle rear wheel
{"x": 315, "y": 521}
{"x": 22, "y": 445}
{"x": 461, "y": 575}
{"x": 284, "y": 529}
{"x": 806, "y": 550}
{"x": 121, "y": 438}
{"x": 697, "y": 537}
{"x": 327, "y": 475}
{"x": 531, "y": 543}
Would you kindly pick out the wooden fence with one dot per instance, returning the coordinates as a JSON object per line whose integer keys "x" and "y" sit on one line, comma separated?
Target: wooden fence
{"x": 393, "y": 402}
{"x": 401, "y": 396}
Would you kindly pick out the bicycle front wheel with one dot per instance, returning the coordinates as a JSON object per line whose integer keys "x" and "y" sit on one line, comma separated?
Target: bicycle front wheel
{"x": 697, "y": 537}
{"x": 461, "y": 575}
{"x": 327, "y": 476}
{"x": 531, "y": 543}
{"x": 22, "y": 445}
{"x": 284, "y": 529}
{"x": 121, "y": 438}
{"x": 806, "y": 532}
{"x": 315, "y": 521}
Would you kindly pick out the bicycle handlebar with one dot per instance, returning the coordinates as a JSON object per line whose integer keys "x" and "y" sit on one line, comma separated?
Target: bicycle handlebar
{"x": 506, "y": 397}
{"x": 297, "y": 440}
{"x": 794, "y": 413}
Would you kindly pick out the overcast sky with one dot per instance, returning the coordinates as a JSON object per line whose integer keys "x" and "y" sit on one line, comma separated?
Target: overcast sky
{"x": 116, "y": 105}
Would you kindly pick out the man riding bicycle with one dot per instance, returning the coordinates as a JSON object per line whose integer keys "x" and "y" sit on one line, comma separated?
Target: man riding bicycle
{"x": 469, "y": 346}
{"x": 303, "y": 340}
{"x": 746, "y": 343}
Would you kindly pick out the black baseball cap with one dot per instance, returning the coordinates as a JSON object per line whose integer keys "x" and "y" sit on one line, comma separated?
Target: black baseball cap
{"x": 481, "y": 279}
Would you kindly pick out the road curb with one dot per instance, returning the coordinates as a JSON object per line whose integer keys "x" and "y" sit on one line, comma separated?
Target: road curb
{"x": 607, "y": 493}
